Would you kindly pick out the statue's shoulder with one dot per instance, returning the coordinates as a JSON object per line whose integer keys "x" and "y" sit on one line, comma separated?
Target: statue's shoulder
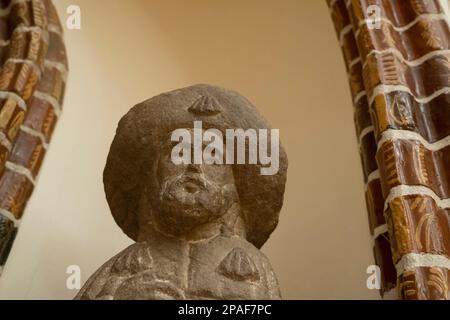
{"x": 102, "y": 284}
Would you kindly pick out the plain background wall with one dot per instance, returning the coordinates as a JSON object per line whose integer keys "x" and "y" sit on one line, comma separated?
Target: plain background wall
{"x": 282, "y": 55}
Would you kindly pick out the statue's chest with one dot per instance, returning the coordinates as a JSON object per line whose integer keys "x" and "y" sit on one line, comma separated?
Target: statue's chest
{"x": 201, "y": 271}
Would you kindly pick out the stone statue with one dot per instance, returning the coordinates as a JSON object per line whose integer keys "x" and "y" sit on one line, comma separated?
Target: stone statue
{"x": 197, "y": 227}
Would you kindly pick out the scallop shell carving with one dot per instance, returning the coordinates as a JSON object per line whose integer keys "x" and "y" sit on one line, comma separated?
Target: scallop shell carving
{"x": 237, "y": 265}
{"x": 205, "y": 106}
{"x": 134, "y": 260}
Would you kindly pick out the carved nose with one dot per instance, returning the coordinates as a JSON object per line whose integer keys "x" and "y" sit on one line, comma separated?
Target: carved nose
{"x": 195, "y": 168}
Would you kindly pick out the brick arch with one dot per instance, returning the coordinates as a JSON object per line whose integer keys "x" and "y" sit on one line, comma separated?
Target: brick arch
{"x": 33, "y": 75}
{"x": 398, "y": 62}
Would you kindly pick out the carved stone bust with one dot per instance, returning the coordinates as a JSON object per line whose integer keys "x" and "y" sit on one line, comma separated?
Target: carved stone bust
{"x": 198, "y": 227}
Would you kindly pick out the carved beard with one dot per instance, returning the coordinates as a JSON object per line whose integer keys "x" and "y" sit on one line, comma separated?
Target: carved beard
{"x": 189, "y": 200}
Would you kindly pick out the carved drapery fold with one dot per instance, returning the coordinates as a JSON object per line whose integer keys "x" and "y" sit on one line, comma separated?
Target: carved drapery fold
{"x": 399, "y": 73}
{"x": 33, "y": 72}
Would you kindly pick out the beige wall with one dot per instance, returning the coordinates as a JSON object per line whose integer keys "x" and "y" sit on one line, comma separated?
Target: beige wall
{"x": 282, "y": 55}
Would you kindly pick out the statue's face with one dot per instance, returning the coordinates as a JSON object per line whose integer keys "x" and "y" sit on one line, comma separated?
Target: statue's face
{"x": 191, "y": 195}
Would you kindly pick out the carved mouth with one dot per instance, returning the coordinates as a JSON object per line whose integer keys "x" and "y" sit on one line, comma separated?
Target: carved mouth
{"x": 191, "y": 187}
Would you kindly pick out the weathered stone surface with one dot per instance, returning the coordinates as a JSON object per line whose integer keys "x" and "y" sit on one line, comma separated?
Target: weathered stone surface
{"x": 198, "y": 227}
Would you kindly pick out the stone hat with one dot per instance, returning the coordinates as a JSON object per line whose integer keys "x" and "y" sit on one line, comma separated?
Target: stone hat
{"x": 141, "y": 131}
